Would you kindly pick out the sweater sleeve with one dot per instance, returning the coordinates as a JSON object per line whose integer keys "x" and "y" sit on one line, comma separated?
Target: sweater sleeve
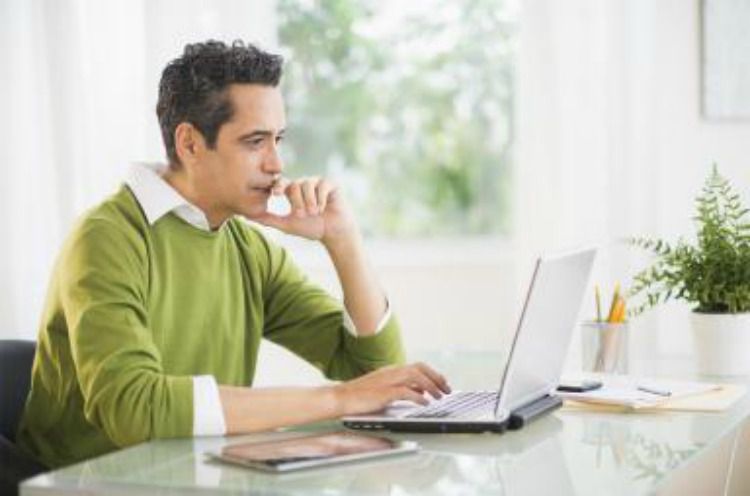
{"x": 126, "y": 394}
{"x": 305, "y": 319}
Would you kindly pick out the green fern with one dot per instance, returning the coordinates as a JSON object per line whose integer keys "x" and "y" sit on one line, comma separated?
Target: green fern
{"x": 714, "y": 273}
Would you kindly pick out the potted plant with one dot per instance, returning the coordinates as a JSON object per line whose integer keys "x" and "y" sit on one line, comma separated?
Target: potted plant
{"x": 712, "y": 274}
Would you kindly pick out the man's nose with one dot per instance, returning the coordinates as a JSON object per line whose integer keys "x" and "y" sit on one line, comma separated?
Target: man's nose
{"x": 273, "y": 163}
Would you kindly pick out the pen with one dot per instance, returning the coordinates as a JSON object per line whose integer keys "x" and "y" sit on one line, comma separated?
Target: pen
{"x": 598, "y": 297}
{"x": 658, "y": 392}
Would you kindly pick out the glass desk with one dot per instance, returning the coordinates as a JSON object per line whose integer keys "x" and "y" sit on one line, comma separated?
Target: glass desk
{"x": 568, "y": 452}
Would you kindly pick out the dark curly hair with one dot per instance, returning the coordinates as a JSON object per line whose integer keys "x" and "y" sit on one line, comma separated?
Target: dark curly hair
{"x": 193, "y": 87}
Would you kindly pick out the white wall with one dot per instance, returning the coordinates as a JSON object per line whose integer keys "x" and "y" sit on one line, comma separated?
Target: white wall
{"x": 686, "y": 144}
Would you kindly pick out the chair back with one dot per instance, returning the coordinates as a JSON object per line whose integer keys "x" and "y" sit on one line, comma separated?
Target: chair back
{"x": 16, "y": 358}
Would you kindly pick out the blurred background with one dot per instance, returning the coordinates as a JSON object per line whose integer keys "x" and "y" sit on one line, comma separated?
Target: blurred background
{"x": 470, "y": 135}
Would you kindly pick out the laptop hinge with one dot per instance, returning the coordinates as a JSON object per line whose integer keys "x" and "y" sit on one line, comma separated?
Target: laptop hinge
{"x": 531, "y": 411}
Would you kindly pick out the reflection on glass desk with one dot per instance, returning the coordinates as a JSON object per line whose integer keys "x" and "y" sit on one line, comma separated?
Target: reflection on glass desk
{"x": 567, "y": 452}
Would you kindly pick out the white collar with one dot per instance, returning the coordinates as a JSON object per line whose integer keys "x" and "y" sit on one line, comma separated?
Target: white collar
{"x": 157, "y": 198}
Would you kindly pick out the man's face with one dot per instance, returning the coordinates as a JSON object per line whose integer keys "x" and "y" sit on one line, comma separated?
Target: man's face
{"x": 237, "y": 174}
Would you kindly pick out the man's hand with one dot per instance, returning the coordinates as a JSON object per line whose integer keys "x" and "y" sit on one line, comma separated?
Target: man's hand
{"x": 375, "y": 391}
{"x": 319, "y": 211}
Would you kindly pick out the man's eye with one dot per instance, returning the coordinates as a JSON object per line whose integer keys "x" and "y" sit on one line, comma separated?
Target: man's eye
{"x": 279, "y": 139}
{"x": 255, "y": 142}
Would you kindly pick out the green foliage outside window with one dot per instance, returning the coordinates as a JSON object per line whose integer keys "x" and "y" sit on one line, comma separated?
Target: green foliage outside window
{"x": 408, "y": 106}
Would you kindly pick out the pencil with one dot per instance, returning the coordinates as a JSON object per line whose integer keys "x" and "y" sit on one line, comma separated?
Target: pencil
{"x": 618, "y": 315}
{"x": 615, "y": 298}
{"x": 598, "y": 297}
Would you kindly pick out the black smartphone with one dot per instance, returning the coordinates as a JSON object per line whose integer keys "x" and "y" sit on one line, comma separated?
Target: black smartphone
{"x": 579, "y": 386}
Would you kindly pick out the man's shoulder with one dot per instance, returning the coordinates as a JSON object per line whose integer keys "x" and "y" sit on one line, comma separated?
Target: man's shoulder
{"x": 116, "y": 218}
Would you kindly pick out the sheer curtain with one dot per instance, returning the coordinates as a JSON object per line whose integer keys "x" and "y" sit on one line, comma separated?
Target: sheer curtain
{"x": 78, "y": 89}
{"x": 611, "y": 140}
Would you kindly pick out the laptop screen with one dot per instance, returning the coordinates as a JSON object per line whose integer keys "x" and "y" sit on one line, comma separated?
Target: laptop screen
{"x": 545, "y": 328}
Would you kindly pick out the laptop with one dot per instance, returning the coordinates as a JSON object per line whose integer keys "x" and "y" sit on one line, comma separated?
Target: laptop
{"x": 531, "y": 373}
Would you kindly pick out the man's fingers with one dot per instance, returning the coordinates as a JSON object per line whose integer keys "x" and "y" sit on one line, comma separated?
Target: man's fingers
{"x": 415, "y": 378}
{"x": 324, "y": 191}
{"x": 294, "y": 194}
{"x": 418, "y": 377}
{"x": 304, "y": 196}
{"x": 405, "y": 393}
{"x": 428, "y": 385}
{"x": 280, "y": 186}
{"x": 434, "y": 376}
{"x": 309, "y": 195}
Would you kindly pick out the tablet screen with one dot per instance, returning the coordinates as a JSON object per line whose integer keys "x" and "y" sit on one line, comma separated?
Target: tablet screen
{"x": 309, "y": 451}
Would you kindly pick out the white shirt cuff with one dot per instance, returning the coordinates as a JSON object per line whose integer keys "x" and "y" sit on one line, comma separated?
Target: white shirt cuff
{"x": 349, "y": 323}
{"x": 208, "y": 415}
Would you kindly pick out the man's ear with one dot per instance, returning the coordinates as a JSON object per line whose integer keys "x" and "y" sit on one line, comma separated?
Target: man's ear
{"x": 188, "y": 142}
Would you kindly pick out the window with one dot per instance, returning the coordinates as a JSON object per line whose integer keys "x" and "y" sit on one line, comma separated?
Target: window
{"x": 408, "y": 106}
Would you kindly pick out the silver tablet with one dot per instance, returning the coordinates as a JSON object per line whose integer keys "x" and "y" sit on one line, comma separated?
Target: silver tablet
{"x": 312, "y": 451}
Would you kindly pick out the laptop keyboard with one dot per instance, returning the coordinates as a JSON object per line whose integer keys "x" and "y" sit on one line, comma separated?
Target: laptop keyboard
{"x": 458, "y": 405}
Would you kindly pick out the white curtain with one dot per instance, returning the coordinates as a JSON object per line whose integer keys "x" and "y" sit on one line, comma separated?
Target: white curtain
{"x": 78, "y": 90}
{"x": 611, "y": 139}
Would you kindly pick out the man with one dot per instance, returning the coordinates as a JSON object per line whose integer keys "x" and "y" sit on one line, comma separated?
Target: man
{"x": 162, "y": 292}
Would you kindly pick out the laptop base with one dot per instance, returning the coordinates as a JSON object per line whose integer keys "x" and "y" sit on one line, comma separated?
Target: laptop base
{"x": 394, "y": 425}
{"x": 517, "y": 419}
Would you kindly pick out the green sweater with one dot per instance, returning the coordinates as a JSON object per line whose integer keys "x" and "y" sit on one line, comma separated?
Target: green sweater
{"x": 135, "y": 310}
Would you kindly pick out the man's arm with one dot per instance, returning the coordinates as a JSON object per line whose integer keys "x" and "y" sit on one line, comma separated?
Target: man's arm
{"x": 319, "y": 212}
{"x": 363, "y": 297}
{"x": 126, "y": 393}
{"x": 259, "y": 409}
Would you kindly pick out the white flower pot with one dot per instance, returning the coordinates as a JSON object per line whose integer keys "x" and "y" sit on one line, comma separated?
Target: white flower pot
{"x": 722, "y": 343}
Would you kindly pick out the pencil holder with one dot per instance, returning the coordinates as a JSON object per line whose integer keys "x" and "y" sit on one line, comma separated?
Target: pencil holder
{"x": 605, "y": 347}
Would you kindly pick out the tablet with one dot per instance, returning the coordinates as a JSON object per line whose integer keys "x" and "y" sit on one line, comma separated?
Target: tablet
{"x": 312, "y": 451}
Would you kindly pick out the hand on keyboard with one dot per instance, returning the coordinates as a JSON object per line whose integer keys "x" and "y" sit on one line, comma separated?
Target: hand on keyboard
{"x": 376, "y": 390}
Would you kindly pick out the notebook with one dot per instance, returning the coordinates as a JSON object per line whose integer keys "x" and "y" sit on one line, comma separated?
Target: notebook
{"x": 651, "y": 394}
{"x": 533, "y": 368}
